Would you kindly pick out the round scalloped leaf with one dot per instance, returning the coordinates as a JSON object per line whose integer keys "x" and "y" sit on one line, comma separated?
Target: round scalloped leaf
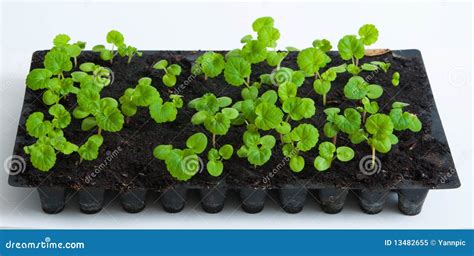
{"x": 38, "y": 78}
{"x": 368, "y": 34}
{"x": 356, "y": 88}
{"x": 297, "y": 163}
{"x": 379, "y": 125}
{"x": 226, "y": 151}
{"x": 310, "y": 60}
{"x": 327, "y": 149}
{"x": 197, "y": 142}
{"x": 322, "y": 164}
{"x": 306, "y": 135}
{"x": 212, "y": 64}
{"x": 115, "y": 37}
{"x": 36, "y": 126}
{"x": 61, "y": 40}
{"x": 349, "y": 46}
{"x": 269, "y": 116}
{"x": 262, "y": 22}
{"x": 57, "y": 62}
{"x": 254, "y": 51}
{"x": 236, "y": 71}
{"x": 215, "y": 168}
{"x": 344, "y": 153}
{"x": 62, "y": 118}
{"x": 43, "y": 157}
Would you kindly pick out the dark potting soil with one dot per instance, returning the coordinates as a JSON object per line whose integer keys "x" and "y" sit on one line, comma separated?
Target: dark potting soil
{"x": 126, "y": 160}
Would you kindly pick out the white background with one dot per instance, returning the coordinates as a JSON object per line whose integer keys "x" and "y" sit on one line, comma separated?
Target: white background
{"x": 442, "y": 31}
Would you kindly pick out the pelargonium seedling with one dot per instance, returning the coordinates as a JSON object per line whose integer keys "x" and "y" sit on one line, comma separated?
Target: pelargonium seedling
{"x": 255, "y": 50}
{"x": 61, "y": 43}
{"x": 311, "y": 60}
{"x": 302, "y": 138}
{"x": 211, "y": 64}
{"x": 96, "y": 111}
{"x": 371, "y": 107}
{"x": 50, "y": 137}
{"x": 328, "y": 153}
{"x": 183, "y": 164}
{"x": 214, "y": 113}
{"x": 257, "y": 149}
{"x": 116, "y": 39}
{"x": 396, "y": 79}
{"x": 92, "y": 75}
{"x": 322, "y": 85}
{"x": 171, "y": 72}
{"x": 381, "y": 137}
{"x": 403, "y": 120}
{"x": 237, "y": 71}
{"x": 357, "y": 89}
{"x": 352, "y": 47}
{"x": 348, "y": 123}
{"x": 215, "y": 158}
{"x": 145, "y": 95}
{"x": 90, "y": 149}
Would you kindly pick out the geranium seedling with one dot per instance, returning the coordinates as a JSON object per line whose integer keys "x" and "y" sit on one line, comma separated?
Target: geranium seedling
{"x": 302, "y": 138}
{"x": 328, "y": 153}
{"x": 214, "y": 113}
{"x": 210, "y": 64}
{"x": 256, "y": 149}
{"x": 49, "y": 137}
{"x": 171, "y": 72}
{"x": 216, "y": 157}
{"x": 116, "y": 39}
{"x": 183, "y": 164}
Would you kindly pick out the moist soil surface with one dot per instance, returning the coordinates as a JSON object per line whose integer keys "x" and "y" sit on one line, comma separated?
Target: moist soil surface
{"x": 126, "y": 160}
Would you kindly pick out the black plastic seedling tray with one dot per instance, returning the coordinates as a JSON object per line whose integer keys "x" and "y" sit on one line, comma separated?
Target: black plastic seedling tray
{"x": 420, "y": 162}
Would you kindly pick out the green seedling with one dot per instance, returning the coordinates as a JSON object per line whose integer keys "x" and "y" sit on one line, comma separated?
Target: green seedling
{"x": 145, "y": 95}
{"x": 357, "y": 89}
{"x": 116, "y": 39}
{"x": 92, "y": 76}
{"x": 214, "y": 114}
{"x": 96, "y": 111}
{"x": 380, "y": 134}
{"x": 302, "y": 138}
{"x": 171, "y": 72}
{"x": 352, "y": 47}
{"x": 348, "y": 123}
{"x": 371, "y": 107}
{"x": 210, "y": 64}
{"x": 322, "y": 85}
{"x": 90, "y": 149}
{"x": 216, "y": 157}
{"x": 183, "y": 164}
{"x": 328, "y": 153}
{"x": 237, "y": 71}
{"x": 49, "y": 137}
{"x": 375, "y": 65}
{"x": 396, "y": 79}
{"x": 255, "y": 50}
{"x": 256, "y": 149}
{"x": 311, "y": 60}
{"x": 403, "y": 120}
{"x": 55, "y": 88}
{"x": 61, "y": 43}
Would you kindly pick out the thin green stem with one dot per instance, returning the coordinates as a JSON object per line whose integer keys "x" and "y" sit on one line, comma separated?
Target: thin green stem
{"x": 373, "y": 156}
